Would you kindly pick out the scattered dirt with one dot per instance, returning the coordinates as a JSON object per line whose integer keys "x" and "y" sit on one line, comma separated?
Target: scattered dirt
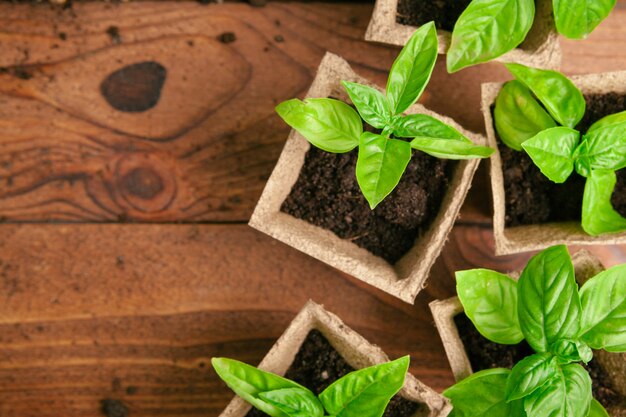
{"x": 485, "y": 354}
{"x": 114, "y": 33}
{"x": 531, "y": 198}
{"x": 443, "y": 12}
{"x": 317, "y": 365}
{"x": 327, "y": 195}
{"x": 114, "y": 408}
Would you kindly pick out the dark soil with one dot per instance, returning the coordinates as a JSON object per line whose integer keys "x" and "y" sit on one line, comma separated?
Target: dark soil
{"x": 531, "y": 198}
{"x": 485, "y": 354}
{"x": 443, "y": 12}
{"x": 327, "y": 195}
{"x": 317, "y": 365}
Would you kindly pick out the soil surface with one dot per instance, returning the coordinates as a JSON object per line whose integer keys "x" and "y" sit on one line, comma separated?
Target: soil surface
{"x": 531, "y": 198}
{"x": 443, "y": 12}
{"x": 327, "y": 195}
{"x": 485, "y": 354}
{"x": 318, "y": 364}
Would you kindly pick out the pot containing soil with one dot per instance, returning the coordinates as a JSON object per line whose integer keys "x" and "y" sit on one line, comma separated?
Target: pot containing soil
{"x": 312, "y": 202}
{"x": 530, "y": 211}
{"x": 318, "y": 348}
{"x": 393, "y": 22}
{"x": 468, "y": 351}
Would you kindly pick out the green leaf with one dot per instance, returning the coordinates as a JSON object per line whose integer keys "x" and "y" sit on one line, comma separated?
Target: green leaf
{"x": 248, "y": 382}
{"x": 552, "y": 150}
{"x": 380, "y": 165}
{"x": 548, "y": 302}
{"x": 576, "y": 19}
{"x": 371, "y": 103}
{"x": 604, "y": 147}
{"x": 518, "y": 115}
{"x": 611, "y": 119}
{"x": 568, "y": 394}
{"x": 530, "y": 374}
{"x": 596, "y": 410}
{"x": 366, "y": 392}
{"x": 559, "y": 95}
{"x": 489, "y": 299}
{"x": 423, "y": 126}
{"x": 488, "y": 29}
{"x": 483, "y": 394}
{"x": 412, "y": 68}
{"x": 451, "y": 149}
{"x": 603, "y": 319}
{"x": 328, "y": 124}
{"x": 598, "y": 214}
{"x": 568, "y": 351}
{"x": 295, "y": 402}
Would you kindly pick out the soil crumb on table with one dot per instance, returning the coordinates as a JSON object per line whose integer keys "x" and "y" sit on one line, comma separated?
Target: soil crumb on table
{"x": 444, "y": 13}
{"x": 317, "y": 365}
{"x": 485, "y": 354}
{"x": 114, "y": 408}
{"x": 327, "y": 195}
{"x": 531, "y": 198}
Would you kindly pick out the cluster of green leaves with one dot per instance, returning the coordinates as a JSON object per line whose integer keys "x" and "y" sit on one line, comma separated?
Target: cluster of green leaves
{"x": 488, "y": 29}
{"x": 334, "y": 126}
{"x": 556, "y": 147}
{"x": 362, "y": 393}
{"x": 561, "y": 322}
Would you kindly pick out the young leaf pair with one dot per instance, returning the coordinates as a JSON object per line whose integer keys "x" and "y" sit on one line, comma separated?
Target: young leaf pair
{"x": 547, "y": 134}
{"x": 560, "y": 322}
{"x": 334, "y": 126}
{"x": 488, "y": 29}
{"x": 362, "y": 393}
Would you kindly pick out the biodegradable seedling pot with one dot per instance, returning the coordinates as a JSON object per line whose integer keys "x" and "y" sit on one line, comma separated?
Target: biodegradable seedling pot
{"x": 357, "y": 351}
{"x": 406, "y": 277}
{"x": 527, "y": 238}
{"x": 540, "y": 49}
{"x": 585, "y": 266}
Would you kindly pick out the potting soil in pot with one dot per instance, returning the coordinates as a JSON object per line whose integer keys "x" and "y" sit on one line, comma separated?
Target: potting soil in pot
{"x": 443, "y": 12}
{"x": 485, "y": 354}
{"x": 327, "y": 195}
{"x": 317, "y": 365}
{"x": 531, "y": 198}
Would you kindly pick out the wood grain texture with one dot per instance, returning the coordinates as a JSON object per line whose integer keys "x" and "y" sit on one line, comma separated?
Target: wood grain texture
{"x": 76, "y": 148}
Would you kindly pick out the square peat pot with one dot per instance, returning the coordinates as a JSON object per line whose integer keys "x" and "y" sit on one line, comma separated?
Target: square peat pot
{"x": 612, "y": 366}
{"x": 541, "y": 47}
{"x": 352, "y": 347}
{"x": 405, "y": 277}
{"x": 530, "y": 237}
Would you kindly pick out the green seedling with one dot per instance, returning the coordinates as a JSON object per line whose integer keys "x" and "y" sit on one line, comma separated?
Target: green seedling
{"x": 538, "y": 112}
{"x": 561, "y": 322}
{"x": 334, "y": 126}
{"x": 488, "y": 29}
{"x": 362, "y": 393}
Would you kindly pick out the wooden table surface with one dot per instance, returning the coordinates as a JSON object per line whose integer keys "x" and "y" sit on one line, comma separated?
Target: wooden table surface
{"x": 125, "y": 258}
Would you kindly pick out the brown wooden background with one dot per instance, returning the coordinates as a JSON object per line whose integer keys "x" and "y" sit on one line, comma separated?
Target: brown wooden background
{"x": 125, "y": 258}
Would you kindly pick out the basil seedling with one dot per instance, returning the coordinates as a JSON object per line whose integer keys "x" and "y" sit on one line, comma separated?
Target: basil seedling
{"x": 488, "y": 29}
{"x": 334, "y": 126}
{"x": 561, "y": 322}
{"x": 362, "y": 393}
{"x": 549, "y": 138}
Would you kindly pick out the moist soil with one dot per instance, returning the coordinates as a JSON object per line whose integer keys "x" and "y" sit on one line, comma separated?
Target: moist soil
{"x": 531, "y": 198}
{"x": 327, "y": 195}
{"x": 317, "y": 365}
{"x": 485, "y": 354}
{"x": 443, "y": 12}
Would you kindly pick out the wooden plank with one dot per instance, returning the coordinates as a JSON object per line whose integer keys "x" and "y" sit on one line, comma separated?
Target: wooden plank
{"x": 204, "y": 151}
{"x": 134, "y": 313}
